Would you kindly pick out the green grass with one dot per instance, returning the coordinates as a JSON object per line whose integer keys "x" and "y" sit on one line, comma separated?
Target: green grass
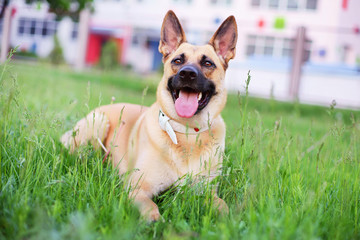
{"x": 290, "y": 172}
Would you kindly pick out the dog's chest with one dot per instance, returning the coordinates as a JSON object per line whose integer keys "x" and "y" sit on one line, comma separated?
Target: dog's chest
{"x": 194, "y": 155}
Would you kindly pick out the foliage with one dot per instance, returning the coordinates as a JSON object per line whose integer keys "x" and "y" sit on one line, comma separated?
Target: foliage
{"x": 62, "y": 8}
{"x": 290, "y": 171}
{"x": 26, "y": 54}
{"x": 56, "y": 55}
{"x": 109, "y": 55}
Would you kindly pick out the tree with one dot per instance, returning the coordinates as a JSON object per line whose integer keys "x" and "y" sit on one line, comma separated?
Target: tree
{"x": 109, "y": 55}
{"x": 56, "y": 55}
{"x": 61, "y": 8}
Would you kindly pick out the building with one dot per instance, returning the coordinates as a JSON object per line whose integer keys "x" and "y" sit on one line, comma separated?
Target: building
{"x": 266, "y": 28}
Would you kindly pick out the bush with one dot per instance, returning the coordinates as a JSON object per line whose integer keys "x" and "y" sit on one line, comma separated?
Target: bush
{"x": 56, "y": 56}
{"x": 25, "y": 54}
{"x": 109, "y": 55}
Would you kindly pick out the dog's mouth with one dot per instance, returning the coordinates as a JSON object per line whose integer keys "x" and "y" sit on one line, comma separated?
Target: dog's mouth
{"x": 189, "y": 101}
{"x": 190, "y": 90}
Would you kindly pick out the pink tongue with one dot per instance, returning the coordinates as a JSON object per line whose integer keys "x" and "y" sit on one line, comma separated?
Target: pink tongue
{"x": 187, "y": 104}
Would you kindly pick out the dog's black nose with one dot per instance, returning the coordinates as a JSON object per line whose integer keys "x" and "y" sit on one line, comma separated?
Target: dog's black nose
{"x": 188, "y": 72}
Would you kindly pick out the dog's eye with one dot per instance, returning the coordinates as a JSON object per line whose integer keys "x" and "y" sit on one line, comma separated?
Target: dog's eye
{"x": 178, "y": 61}
{"x": 208, "y": 64}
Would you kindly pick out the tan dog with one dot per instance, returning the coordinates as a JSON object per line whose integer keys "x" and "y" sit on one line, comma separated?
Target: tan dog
{"x": 182, "y": 132}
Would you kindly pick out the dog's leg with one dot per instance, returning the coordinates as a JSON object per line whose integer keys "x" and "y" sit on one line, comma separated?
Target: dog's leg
{"x": 93, "y": 128}
{"x": 215, "y": 164}
{"x": 146, "y": 181}
{"x": 141, "y": 193}
{"x": 219, "y": 203}
{"x": 147, "y": 207}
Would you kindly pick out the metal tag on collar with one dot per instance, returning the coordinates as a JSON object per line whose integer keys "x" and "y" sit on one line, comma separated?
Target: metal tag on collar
{"x": 165, "y": 125}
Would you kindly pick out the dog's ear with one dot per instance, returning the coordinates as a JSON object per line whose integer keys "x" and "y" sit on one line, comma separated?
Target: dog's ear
{"x": 172, "y": 34}
{"x": 225, "y": 38}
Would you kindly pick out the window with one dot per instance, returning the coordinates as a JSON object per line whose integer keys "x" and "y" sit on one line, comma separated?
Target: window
{"x": 135, "y": 40}
{"x": 250, "y": 48}
{"x": 255, "y": 3}
{"x": 269, "y": 46}
{"x": 21, "y": 28}
{"x": 33, "y": 27}
{"x": 50, "y": 27}
{"x": 311, "y": 4}
{"x": 222, "y": 2}
{"x": 36, "y": 27}
{"x": 273, "y": 3}
{"x": 307, "y": 50}
{"x": 44, "y": 30}
{"x": 287, "y": 47}
{"x": 183, "y": 1}
{"x": 74, "y": 31}
{"x": 292, "y": 4}
{"x": 1, "y": 25}
{"x": 344, "y": 52}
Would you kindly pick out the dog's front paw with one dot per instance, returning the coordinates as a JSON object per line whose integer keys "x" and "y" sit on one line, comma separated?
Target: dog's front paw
{"x": 221, "y": 206}
{"x": 67, "y": 139}
{"x": 152, "y": 215}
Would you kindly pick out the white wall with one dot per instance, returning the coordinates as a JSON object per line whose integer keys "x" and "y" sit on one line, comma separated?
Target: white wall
{"x": 349, "y": 19}
{"x": 198, "y": 20}
{"x": 44, "y": 45}
{"x": 314, "y": 88}
{"x": 70, "y": 45}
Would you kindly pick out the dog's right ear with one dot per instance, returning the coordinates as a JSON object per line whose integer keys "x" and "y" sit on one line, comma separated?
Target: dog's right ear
{"x": 224, "y": 39}
{"x": 172, "y": 34}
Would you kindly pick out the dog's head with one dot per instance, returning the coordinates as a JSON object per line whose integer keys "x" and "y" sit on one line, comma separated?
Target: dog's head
{"x": 192, "y": 89}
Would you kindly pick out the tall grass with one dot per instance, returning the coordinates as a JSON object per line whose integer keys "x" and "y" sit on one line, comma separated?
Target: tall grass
{"x": 290, "y": 172}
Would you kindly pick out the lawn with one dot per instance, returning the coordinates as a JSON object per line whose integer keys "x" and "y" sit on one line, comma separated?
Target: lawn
{"x": 291, "y": 171}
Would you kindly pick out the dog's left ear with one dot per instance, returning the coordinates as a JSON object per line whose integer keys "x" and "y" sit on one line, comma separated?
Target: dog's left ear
{"x": 172, "y": 34}
{"x": 225, "y": 38}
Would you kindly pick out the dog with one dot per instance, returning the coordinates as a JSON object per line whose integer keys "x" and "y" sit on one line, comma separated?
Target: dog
{"x": 182, "y": 132}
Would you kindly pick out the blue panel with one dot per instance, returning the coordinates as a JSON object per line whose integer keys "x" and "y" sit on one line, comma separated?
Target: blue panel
{"x": 157, "y": 57}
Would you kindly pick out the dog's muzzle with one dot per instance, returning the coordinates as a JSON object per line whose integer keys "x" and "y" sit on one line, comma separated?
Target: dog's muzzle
{"x": 191, "y": 90}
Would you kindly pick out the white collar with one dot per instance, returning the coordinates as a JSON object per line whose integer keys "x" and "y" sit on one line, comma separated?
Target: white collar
{"x": 171, "y": 126}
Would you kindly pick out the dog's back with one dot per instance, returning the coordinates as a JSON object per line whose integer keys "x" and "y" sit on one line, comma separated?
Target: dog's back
{"x": 108, "y": 125}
